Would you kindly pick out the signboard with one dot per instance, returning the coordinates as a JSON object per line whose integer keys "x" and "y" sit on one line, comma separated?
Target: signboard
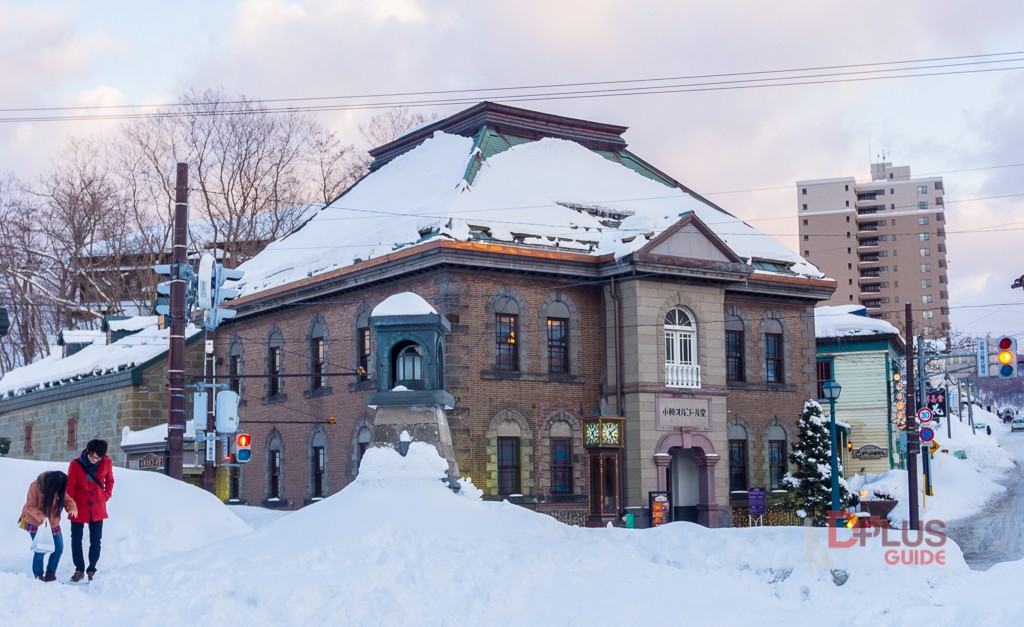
{"x": 211, "y": 446}
{"x": 937, "y": 402}
{"x": 982, "y": 358}
{"x": 755, "y": 497}
{"x": 673, "y": 413}
{"x": 870, "y": 451}
{"x": 151, "y": 461}
{"x": 903, "y": 442}
{"x": 924, "y": 414}
{"x": 661, "y": 508}
{"x": 927, "y": 435}
{"x": 934, "y": 447}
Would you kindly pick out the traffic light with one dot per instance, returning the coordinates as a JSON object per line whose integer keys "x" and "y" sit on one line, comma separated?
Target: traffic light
{"x": 226, "y": 417}
{"x": 1006, "y": 357}
{"x": 898, "y": 392}
{"x": 211, "y": 293}
{"x": 243, "y": 447}
{"x": 174, "y": 272}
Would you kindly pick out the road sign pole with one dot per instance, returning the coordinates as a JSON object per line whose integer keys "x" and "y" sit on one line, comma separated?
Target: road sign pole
{"x": 913, "y": 444}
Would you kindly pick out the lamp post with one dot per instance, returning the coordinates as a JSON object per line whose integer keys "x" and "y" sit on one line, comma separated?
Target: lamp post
{"x": 832, "y": 390}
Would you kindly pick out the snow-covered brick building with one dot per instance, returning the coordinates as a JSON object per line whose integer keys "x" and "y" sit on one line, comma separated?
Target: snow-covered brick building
{"x": 92, "y": 385}
{"x": 577, "y": 279}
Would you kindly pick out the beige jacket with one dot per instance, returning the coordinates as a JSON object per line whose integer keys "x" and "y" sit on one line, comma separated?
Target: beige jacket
{"x": 33, "y": 510}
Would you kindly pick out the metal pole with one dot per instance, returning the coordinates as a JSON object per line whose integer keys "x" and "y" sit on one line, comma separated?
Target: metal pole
{"x": 970, "y": 406}
{"x": 209, "y": 466}
{"x": 176, "y": 344}
{"x": 835, "y": 457}
{"x": 888, "y": 409}
{"x": 913, "y": 441}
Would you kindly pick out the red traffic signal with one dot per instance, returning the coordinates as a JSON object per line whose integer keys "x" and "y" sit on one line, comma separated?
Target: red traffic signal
{"x": 243, "y": 452}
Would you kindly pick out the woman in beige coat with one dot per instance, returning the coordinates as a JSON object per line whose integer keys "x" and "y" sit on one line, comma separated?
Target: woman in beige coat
{"x": 47, "y": 497}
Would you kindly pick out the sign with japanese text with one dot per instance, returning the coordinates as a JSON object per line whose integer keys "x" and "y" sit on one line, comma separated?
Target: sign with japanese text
{"x": 682, "y": 412}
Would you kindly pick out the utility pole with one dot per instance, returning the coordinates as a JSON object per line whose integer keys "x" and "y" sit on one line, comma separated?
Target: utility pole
{"x": 176, "y": 348}
{"x": 209, "y": 466}
{"x": 913, "y": 440}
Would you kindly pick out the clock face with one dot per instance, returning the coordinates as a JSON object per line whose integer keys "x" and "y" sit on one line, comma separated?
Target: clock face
{"x": 591, "y": 435}
{"x": 610, "y": 433}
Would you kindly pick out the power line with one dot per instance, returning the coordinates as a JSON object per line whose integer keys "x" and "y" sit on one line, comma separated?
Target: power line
{"x": 714, "y": 85}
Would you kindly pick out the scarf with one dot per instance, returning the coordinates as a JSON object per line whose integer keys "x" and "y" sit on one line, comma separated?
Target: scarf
{"x": 89, "y": 466}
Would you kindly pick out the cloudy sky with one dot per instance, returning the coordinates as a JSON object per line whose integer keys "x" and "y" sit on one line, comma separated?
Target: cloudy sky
{"x": 742, "y": 148}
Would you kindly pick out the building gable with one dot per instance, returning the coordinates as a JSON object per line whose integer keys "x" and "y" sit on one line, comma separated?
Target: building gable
{"x": 690, "y": 238}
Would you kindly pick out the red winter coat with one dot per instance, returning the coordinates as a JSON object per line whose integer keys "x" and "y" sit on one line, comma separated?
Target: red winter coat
{"x": 90, "y": 496}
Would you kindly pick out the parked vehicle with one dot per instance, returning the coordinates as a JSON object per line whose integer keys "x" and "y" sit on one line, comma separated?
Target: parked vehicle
{"x": 1017, "y": 424}
{"x": 1007, "y": 414}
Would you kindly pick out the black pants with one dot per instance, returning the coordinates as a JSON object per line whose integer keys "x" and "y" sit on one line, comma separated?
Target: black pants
{"x": 95, "y": 538}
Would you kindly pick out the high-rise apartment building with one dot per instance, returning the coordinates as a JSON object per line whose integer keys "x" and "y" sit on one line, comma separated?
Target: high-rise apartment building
{"x": 883, "y": 241}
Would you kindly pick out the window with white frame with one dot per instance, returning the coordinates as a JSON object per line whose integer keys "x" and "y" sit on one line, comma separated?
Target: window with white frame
{"x": 681, "y": 368}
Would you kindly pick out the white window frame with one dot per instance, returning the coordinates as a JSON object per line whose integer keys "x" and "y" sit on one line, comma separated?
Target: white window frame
{"x": 682, "y": 369}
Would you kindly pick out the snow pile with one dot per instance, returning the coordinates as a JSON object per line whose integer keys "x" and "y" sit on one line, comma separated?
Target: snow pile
{"x": 397, "y": 547}
{"x": 961, "y": 486}
{"x": 403, "y": 304}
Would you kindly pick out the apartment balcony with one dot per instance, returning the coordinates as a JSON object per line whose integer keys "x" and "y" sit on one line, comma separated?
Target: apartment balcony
{"x": 868, "y": 273}
{"x": 865, "y": 227}
{"x": 871, "y": 303}
{"x": 873, "y": 288}
{"x": 869, "y": 195}
{"x": 682, "y": 376}
{"x": 869, "y": 258}
{"x": 868, "y": 242}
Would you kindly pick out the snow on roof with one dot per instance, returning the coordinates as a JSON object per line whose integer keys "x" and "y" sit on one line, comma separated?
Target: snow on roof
{"x": 841, "y": 321}
{"x": 136, "y": 323}
{"x": 550, "y": 192}
{"x": 83, "y": 336}
{"x": 93, "y": 360}
{"x": 153, "y": 435}
{"x": 404, "y": 304}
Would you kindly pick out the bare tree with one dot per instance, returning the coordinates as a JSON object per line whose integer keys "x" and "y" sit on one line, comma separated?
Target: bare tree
{"x": 253, "y": 172}
{"x": 389, "y": 125}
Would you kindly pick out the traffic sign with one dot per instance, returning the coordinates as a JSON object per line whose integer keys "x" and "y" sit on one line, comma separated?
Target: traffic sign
{"x": 924, "y": 414}
{"x": 933, "y": 447}
{"x": 927, "y": 435}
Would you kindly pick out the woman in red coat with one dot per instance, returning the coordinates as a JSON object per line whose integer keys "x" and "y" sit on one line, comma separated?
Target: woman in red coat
{"x": 90, "y": 485}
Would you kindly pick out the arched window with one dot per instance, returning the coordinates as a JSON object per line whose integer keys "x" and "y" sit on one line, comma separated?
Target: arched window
{"x": 735, "y": 365}
{"x": 236, "y": 356}
{"x": 509, "y": 476}
{"x": 408, "y": 365}
{"x": 317, "y": 354}
{"x": 774, "y": 351}
{"x": 738, "y": 471}
{"x": 681, "y": 367}
{"x": 558, "y": 338}
{"x": 506, "y": 325}
{"x": 275, "y": 364}
{"x": 362, "y": 444}
{"x": 561, "y": 458}
{"x": 778, "y": 453}
{"x": 362, "y": 347}
{"x": 275, "y": 466}
{"x": 318, "y": 463}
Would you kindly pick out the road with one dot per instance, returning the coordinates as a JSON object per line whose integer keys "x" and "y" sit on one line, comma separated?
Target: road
{"x": 997, "y": 533}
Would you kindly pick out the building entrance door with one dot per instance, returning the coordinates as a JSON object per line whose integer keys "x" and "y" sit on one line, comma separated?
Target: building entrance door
{"x": 684, "y": 484}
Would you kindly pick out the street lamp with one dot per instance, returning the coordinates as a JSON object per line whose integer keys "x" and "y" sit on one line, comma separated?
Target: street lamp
{"x": 832, "y": 390}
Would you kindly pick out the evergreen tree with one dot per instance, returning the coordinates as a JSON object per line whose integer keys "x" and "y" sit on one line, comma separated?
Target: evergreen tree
{"x": 811, "y": 482}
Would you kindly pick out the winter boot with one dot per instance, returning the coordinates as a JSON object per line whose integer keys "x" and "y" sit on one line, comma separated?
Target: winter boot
{"x": 90, "y": 572}
{"x": 77, "y": 577}
{"x": 50, "y": 577}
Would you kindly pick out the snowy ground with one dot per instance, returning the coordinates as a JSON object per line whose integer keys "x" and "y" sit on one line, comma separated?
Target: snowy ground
{"x": 398, "y": 548}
